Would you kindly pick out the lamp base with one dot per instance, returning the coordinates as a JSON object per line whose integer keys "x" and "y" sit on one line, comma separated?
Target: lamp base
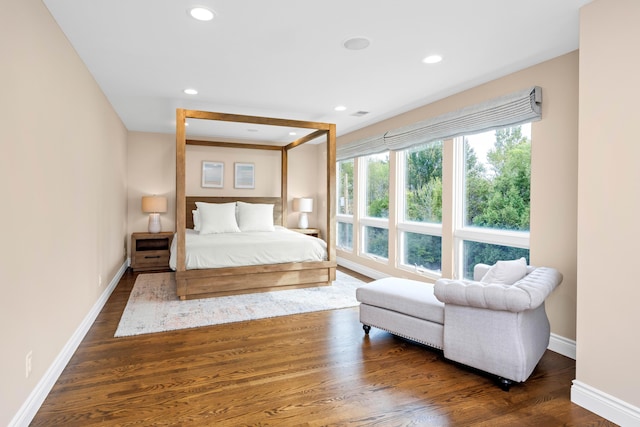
{"x": 154, "y": 223}
{"x": 303, "y": 220}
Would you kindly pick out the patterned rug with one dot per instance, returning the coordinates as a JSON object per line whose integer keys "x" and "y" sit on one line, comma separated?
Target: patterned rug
{"x": 154, "y": 307}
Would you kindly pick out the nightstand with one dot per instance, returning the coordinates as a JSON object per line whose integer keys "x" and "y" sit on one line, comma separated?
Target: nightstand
{"x": 150, "y": 251}
{"x": 309, "y": 231}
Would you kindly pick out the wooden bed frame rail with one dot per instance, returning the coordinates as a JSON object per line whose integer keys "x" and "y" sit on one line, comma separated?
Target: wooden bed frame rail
{"x": 261, "y": 278}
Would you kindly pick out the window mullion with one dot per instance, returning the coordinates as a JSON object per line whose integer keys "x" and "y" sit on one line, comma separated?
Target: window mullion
{"x": 459, "y": 171}
{"x": 421, "y": 228}
{"x": 518, "y": 239}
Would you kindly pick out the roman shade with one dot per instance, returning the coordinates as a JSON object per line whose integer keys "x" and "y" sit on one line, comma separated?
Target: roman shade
{"x": 510, "y": 110}
{"x": 361, "y": 147}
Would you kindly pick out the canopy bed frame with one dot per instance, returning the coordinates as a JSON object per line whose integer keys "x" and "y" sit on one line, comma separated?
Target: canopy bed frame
{"x": 202, "y": 283}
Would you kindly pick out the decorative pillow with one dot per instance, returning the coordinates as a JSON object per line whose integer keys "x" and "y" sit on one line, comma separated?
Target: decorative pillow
{"x": 217, "y": 218}
{"x": 255, "y": 217}
{"x": 196, "y": 219}
{"x": 506, "y": 272}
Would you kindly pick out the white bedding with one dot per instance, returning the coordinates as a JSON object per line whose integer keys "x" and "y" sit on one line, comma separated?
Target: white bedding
{"x": 248, "y": 248}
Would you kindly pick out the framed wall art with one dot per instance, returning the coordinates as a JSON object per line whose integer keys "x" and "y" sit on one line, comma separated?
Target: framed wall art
{"x": 244, "y": 175}
{"x": 212, "y": 174}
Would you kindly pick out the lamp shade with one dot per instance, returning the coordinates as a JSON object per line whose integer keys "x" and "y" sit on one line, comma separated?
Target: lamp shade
{"x": 303, "y": 204}
{"x": 154, "y": 204}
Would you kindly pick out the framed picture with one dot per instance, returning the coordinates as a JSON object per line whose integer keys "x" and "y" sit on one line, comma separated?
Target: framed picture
{"x": 245, "y": 175}
{"x": 212, "y": 174}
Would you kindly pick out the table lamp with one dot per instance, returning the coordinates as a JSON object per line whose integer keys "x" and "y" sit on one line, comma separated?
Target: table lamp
{"x": 154, "y": 206}
{"x": 303, "y": 205}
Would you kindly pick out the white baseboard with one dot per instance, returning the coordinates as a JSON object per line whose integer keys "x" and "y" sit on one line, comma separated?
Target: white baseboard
{"x": 563, "y": 346}
{"x": 605, "y": 405}
{"x": 358, "y": 268}
{"x": 30, "y": 407}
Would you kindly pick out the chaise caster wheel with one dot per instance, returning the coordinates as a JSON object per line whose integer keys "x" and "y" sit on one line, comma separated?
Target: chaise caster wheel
{"x": 366, "y": 328}
{"x": 505, "y": 384}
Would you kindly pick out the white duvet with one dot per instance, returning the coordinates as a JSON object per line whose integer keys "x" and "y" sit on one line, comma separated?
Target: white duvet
{"x": 248, "y": 248}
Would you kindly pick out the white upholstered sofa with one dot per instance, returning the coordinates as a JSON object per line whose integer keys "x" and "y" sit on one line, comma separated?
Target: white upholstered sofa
{"x": 486, "y": 323}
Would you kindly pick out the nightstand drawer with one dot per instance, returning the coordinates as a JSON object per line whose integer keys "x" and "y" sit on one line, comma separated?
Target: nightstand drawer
{"x": 151, "y": 258}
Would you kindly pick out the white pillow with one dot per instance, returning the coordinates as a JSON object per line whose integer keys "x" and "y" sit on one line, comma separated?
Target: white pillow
{"x": 255, "y": 217}
{"x": 506, "y": 272}
{"x": 217, "y": 218}
{"x": 196, "y": 219}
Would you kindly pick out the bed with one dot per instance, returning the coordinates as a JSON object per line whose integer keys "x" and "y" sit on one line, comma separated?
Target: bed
{"x": 206, "y": 280}
{"x": 246, "y": 248}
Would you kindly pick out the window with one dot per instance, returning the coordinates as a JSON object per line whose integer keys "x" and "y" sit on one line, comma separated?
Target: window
{"x": 375, "y": 218}
{"x": 495, "y": 197}
{"x": 377, "y": 186}
{"x": 420, "y": 226}
{"x": 344, "y": 193}
{"x": 498, "y": 176}
{"x": 345, "y": 236}
{"x": 423, "y": 183}
{"x": 376, "y": 241}
{"x": 345, "y": 187}
{"x": 422, "y": 251}
{"x": 487, "y": 203}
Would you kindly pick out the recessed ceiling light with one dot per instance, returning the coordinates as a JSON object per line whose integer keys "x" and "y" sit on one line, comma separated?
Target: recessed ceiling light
{"x": 201, "y": 13}
{"x": 356, "y": 43}
{"x": 292, "y": 133}
{"x": 191, "y": 91}
{"x": 340, "y": 108}
{"x": 432, "y": 59}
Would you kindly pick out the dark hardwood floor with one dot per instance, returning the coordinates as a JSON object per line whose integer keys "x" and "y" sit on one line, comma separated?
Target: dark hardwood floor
{"x": 303, "y": 370}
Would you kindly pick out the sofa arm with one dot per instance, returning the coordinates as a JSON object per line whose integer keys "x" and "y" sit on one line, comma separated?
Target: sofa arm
{"x": 526, "y": 294}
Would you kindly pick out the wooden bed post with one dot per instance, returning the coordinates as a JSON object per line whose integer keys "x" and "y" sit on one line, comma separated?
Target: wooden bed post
{"x": 284, "y": 176}
{"x": 180, "y": 189}
{"x": 331, "y": 197}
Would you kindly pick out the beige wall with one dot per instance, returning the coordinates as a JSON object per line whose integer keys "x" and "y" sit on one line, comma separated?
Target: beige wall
{"x": 152, "y": 164}
{"x": 305, "y": 179}
{"x": 554, "y": 173}
{"x": 266, "y": 167}
{"x": 151, "y": 169}
{"x": 609, "y": 199}
{"x": 63, "y": 191}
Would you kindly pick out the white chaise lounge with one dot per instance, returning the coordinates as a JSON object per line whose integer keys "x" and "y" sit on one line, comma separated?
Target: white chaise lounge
{"x": 496, "y": 327}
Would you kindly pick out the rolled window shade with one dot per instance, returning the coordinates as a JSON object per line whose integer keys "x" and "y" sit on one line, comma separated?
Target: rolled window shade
{"x": 361, "y": 147}
{"x": 510, "y": 110}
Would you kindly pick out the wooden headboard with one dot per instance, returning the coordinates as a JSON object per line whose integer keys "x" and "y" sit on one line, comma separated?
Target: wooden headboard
{"x": 275, "y": 201}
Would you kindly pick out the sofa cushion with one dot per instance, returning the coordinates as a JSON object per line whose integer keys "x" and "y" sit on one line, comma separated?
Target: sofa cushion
{"x": 405, "y": 296}
{"x": 506, "y": 272}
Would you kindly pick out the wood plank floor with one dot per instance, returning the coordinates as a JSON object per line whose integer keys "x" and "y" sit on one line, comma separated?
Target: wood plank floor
{"x": 303, "y": 370}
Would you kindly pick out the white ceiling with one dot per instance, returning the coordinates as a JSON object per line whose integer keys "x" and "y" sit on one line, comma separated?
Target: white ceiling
{"x": 285, "y": 58}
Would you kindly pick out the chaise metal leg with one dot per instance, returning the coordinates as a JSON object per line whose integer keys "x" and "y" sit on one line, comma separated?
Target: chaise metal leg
{"x": 366, "y": 328}
{"x": 505, "y": 384}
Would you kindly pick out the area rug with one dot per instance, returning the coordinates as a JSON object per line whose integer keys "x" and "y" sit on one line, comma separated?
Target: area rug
{"x": 154, "y": 307}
